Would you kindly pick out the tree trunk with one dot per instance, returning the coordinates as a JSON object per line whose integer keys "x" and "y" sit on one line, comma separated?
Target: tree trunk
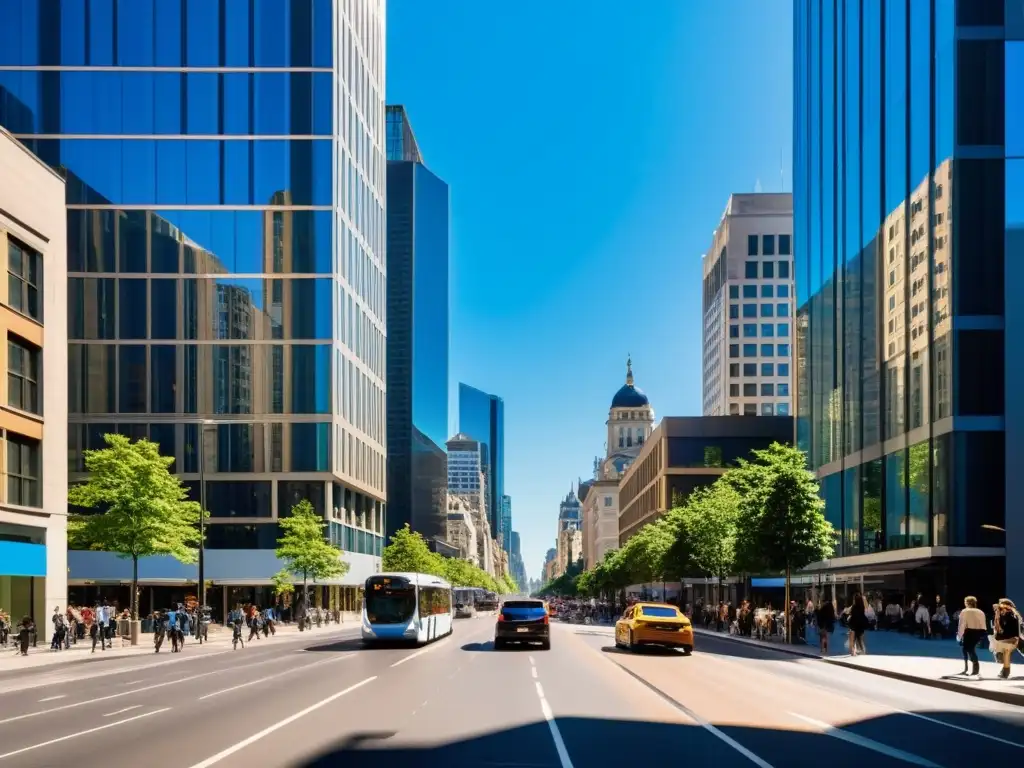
{"x": 789, "y": 613}
{"x": 305, "y": 594}
{"x": 134, "y": 602}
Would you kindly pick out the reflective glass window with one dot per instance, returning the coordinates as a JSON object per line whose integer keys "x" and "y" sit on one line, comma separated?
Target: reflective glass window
{"x": 782, "y": 291}
{"x": 768, "y": 270}
{"x": 896, "y": 500}
{"x": 734, "y": 331}
{"x": 291, "y": 493}
{"x": 132, "y": 377}
{"x": 259, "y": 309}
{"x": 919, "y": 458}
{"x": 752, "y": 243}
{"x": 785, "y": 245}
{"x": 783, "y": 271}
{"x": 92, "y": 378}
{"x": 133, "y": 307}
{"x": 750, "y": 330}
{"x": 767, "y": 291}
{"x": 767, "y": 350}
{"x": 164, "y": 377}
{"x": 750, "y": 291}
{"x": 91, "y": 308}
{"x": 768, "y": 245}
{"x": 750, "y": 350}
{"x": 750, "y": 270}
{"x": 734, "y": 311}
{"x": 734, "y": 291}
{"x": 750, "y": 310}
{"x": 750, "y": 369}
{"x": 132, "y": 241}
{"x": 239, "y": 498}
{"x": 164, "y": 315}
{"x": 767, "y": 310}
{"x": 135, "y": 33}
{"x": 767, "y": 369}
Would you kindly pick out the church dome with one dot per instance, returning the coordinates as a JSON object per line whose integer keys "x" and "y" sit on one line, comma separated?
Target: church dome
{"x": 630, "y": 396}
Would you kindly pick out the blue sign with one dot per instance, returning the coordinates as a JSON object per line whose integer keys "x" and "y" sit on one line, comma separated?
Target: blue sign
{"x": 20, "y": 559}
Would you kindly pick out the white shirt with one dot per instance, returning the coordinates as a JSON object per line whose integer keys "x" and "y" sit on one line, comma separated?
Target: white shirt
{"x": 922, "y": 614}
{"x": 971, "y": 618}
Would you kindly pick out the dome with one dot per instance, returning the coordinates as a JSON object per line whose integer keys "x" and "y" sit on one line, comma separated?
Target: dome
{"x": 630, "y": 397}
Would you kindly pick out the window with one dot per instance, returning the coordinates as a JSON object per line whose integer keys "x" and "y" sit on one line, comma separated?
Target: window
{"x": 767, "y": 390}
{"x": 750, "y": 369}
{"x": 784, "y": 329}
{"x": 767, "y": 350}
{"x": 783, "y": 350}
{"x": 783, "y": 271}
{"x": 734, "y": 369}
{"x": 24, "y": 275}
{"x": 750, "y": 270}
{"x": 768, "y": 270}
{"x": 766, "y": 291}
{"x": 734, "y": 291}
{"x": 749, "y": 291}
{"x": 785, "y": 246}
{"x": 734, "y": 311}
{"x": 734, "y": 409}
{"x": 767, "y": 310}
{"x": 750, "y": 390}
{"x": 767, "y": 330}
{"x": 750, "y": 409}
{"x": 750, "y": 310}
{"x": 734, "y": 390}
{"x": 782, "y": 310}
{"x": 782, "y": 390}
{"x": 767, "y": 369}
{"x": 22, "y": 376}
{"x": 783, "y": 367}
{"x": 750, "y": 350}
{"x": 782, "y": 291}
{"x": 750, "y": 330}
{"x": 23, "y": 470}
{"x": 768, "y": 245}
{"x": 752, "y": 245}
{"x": 607, "y": 501}
{"x": 734, "y": 351}
{"x": 734, "y": 331}
{"x": 766, "y": 409}
{"x": 782, "y": 409}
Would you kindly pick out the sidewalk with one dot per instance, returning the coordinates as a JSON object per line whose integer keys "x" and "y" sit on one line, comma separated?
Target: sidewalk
{"x": 926, "y": 662}
{"x": 41, "y": 657}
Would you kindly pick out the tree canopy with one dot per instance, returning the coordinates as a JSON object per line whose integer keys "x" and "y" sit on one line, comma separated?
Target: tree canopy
{"x": 408, "y": 552}
{"x": 142, "y": 509}
{"x": 304, "y": 549}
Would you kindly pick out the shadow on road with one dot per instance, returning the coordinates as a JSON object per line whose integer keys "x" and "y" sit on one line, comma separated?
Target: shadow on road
{"x": 356, "y": 644}
{"x": 608, "y": 742}
{"x": 643, "y": 650}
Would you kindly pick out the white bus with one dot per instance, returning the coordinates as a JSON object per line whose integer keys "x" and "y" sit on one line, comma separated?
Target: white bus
{"x": 410, "y": 607}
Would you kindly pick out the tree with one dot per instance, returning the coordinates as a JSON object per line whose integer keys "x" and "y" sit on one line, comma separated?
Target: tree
{"x": 304, "y": 549}
{"x": 282, "y": 581}
{"x": 645, "y": 552}
{"x": 408, "y": 553}
{"x": 781, "y": 525}
{"x": 143, "y": 509}
{"x": 704, "y": 532}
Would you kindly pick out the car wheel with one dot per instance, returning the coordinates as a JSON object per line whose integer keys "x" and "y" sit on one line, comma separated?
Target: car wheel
{"x": 499, "y": 645}
{"x": 545, "y": 645}
{"x": 687, "y": 650}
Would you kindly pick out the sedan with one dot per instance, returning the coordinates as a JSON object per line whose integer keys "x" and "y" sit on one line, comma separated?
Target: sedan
{"x": 654, "y": 624}
{"x": 522, "y": 621}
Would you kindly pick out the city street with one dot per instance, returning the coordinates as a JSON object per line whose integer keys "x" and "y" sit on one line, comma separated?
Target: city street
{"x": 324, "y": 700}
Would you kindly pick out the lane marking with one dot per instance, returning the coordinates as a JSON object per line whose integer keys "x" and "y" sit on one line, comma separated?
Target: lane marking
{"x": 412, "y": 656}
{"x": 289, "y": 671}
{"x": 534, "y": 671}
{"x": 81, "y": 733}
{"x": 556, "y": 735}
{"x": 863, "y": 741}
{"x": 279, "y": 725}
{"x": 531, "y": 659}
{"x": 53, "y": 698}
{"x": 122, "y": 711}
{"x": 133, "y": 682}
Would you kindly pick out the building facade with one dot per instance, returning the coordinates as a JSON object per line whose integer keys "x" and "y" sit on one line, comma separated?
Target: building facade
{"x": 33, "y": 393}
{"x": 689, "y": 452}
{"x": 506, "y": 524}
{"x": 226, "y": 259}
{"x": 518, "y": 567}
{"x": 467, "y": 481}
{"x": 461, "y": 530}
{"x": 748, "y": 308}
{"x": 482, "y": 417}
{"x": 417, "y": 342}
{"x": 909, "y": 129}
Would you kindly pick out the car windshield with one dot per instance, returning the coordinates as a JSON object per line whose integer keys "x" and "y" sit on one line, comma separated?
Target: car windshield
{"x": 391, "y": 606}
{"x": 659, "y": 612}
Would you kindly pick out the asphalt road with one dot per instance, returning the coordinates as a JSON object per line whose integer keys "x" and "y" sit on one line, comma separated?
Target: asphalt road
{"x": 323, "y": 700}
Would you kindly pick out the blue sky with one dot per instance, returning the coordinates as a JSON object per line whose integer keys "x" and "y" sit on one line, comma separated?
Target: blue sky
{"x": 590, "y": 152}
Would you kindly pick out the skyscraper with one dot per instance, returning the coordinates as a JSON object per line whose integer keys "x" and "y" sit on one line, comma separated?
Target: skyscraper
{"x": 417, "y": 349}
{"x": 482, "y": 417}
{"x": 506, "y": 524}
{"x": 908, "y": 141}
{"x": 748, "y": 308}
{"x": 226, "y": 233}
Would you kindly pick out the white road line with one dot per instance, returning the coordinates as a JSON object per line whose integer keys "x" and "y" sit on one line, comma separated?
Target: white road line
{"x": 53, "y": 698}
{"x": 531, "y": 659}
{"x": 279, "y": 725}
{"x": 132, "y": 682}
{"x": 863, "y": 741}
{"x": 534, "y": 671}
{"x": 122, "y": 711}
{"x": 412, "y": 656}
{"x": 81, "y": 733}
{"x": 289, "y": 671}
{"x": 556, "y": 735}
{"x": 960, "y": 728}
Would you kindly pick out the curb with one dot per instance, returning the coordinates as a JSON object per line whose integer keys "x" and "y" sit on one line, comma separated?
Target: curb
{"x": 1004, "y": 697}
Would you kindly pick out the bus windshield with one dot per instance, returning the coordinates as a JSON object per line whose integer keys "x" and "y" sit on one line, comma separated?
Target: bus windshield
{"x": 386, "y": 604}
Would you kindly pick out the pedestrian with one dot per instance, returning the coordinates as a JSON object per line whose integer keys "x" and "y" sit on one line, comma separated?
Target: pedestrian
{"x": 59, "y": 630}
{"x": 26, "y": 629}
{"x": 970, "y": 630}
{"x": 856, "y": 624}
{"x": 826, "y": 620}
{"x": 1007, "y": 624}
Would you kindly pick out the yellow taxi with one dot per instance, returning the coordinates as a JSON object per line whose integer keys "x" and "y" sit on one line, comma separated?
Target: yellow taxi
{"x": 654, "y": 624}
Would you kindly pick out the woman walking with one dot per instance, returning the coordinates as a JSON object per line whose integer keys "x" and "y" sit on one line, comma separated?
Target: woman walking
{"x": 826, "y": 619}
{"x": 1007, "y": 633}
{"x": 969, "y": 632}
{"x": 856, "y": 624}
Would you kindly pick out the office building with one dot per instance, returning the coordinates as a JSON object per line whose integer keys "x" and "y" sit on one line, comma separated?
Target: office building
{"x": 482, "y": 417}
{"x": 908, "y": 153}
{"x": 226, "y": 260}
{"x": 417, "y": 348}
{"x": 467, "y": 482}
{"x": 33, "y": 393}
{"x": 518, "y": 567}
{"x": 506, "y": 525}
{"x": 748, "y": 308}
{"x": 685, "y": 453}
{"x": 550, "y": 564}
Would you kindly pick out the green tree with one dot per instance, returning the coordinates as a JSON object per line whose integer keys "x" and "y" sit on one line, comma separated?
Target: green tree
{"x": 408, "y": 553}
{"x": 143, "y": 509}
{"x": 645, "y": 552}
{"x": 508, "y": 587}
{"x": 781, "y": 525}
{"x": 704, "y": 532}
{"x": 282, "y": 581}
{"x": 304, "y": 549}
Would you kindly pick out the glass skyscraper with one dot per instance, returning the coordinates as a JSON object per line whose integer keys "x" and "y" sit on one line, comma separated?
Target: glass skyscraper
{"x": 417, "y": 350}
{"x": 506, "y": 525}
{"x": 908, "y": 117}
{"x": 226, "y": 252}
{"x": 482, "y": 417}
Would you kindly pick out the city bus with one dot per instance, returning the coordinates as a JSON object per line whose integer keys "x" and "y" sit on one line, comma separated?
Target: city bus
{"x": 465, "y": 603}
{"x": 408, "y": 607}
